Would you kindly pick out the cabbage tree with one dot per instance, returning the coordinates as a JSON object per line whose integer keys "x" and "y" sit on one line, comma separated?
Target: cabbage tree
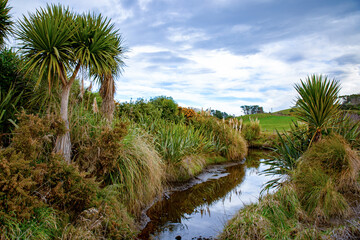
{"x": 57, "y": 43}
{"x": 5, "y": 21}
{"x": 318, "y": 103}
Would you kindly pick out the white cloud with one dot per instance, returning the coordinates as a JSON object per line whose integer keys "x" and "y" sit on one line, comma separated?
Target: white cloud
{"x": 264, "y": 78}
{"x": 189, "y": 35}
{"x": 219, "y": 77}
{"x": 143, "y": 4}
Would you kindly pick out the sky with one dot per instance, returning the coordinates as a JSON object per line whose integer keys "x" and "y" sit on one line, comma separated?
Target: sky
{"x": 227, "y": 53}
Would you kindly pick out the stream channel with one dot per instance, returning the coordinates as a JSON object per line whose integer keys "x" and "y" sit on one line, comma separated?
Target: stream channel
{"x": 200, "y": 208}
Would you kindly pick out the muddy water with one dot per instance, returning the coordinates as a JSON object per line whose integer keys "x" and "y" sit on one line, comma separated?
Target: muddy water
{"x": 211, "y": 199}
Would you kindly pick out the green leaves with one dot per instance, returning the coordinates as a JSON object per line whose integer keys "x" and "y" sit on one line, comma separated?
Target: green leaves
{"x": 46, "y": 41}
{"x": 54, "y": 40}
{"x": 5, "y": 21}
{"x": 318, "y": 103}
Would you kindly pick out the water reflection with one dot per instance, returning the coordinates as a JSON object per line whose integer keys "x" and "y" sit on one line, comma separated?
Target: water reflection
{"x": 202, "y": 210}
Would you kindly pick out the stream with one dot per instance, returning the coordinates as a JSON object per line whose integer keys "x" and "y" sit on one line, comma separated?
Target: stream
{"x": 201, "y": 208}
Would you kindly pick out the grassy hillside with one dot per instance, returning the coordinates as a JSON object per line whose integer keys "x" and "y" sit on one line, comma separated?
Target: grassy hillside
{"x": 269, "y": 122}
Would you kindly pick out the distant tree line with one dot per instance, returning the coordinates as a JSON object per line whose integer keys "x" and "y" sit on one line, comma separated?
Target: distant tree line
{"x": 219, "y": 114}
{"x": 350, "y": 102}
{"x": 252, "y": 109}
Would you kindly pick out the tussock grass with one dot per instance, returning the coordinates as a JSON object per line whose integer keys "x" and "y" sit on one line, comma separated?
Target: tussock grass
{"x": 334, "y": 157}
{"x": 139, "y": 169}
{"x": 237, "y": 149}
{"x": 327, "y": 171}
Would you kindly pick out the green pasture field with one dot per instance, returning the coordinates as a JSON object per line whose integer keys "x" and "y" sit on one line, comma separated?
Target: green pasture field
{"x": 269, "y": 122}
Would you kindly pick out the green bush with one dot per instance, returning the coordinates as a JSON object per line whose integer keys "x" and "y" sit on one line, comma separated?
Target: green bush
{"x": 168, "y": 107}
{"x": 138, "y": 110}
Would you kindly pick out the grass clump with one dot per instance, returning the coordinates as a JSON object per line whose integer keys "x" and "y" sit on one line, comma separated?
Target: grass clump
{"x": 327, "y": 172}
{"x": 139, "y": 169}
{"x": 251, "y": 130}
{"x": 228, "y": 141}
{"x": 44, "y": 224}
{"x": 276, "y": 216}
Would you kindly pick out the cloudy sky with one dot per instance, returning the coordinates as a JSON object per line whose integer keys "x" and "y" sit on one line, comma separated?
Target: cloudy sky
{"x": 227, "y": 53}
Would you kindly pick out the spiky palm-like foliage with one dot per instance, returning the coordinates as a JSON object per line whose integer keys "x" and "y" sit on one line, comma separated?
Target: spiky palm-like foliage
{"x": 101, "y": 29}
{"x": 5, "y": 21}
{"x": 318, "y": 103}
{"x": 57, "y": 43}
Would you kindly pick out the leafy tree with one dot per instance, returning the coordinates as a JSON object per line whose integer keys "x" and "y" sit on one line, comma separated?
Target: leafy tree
{"x": 167, "y": 105}
{"x": 318, "y": 103}
{"x": 57, "y": 43}
{"x": 252, "y": 109}
{"x": 5, "y": 21}
{"x": 219, "y": 114}
{"x": 350, "y": 102}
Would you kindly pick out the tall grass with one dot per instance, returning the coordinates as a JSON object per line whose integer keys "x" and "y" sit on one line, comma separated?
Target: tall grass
{"x": 251, "y": 130}
{"x": 44, "y": 224}
{"x": 228, "y": 141}
{"x": 349, "y": 129}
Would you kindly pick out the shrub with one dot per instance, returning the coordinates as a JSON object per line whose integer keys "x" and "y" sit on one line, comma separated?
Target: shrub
{"x": 99, "y": 151}
{"x": 31, "y": 176}
{"x": 138, "y": 111}
{"x": 109, "y": 220}
{"x": 168, "y": 107}
{"x": 188, "y": 112}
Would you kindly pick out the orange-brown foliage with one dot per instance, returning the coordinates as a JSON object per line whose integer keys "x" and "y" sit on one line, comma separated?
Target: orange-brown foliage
{"x": 32, "y": 176}
{"x": 188, "y": 112}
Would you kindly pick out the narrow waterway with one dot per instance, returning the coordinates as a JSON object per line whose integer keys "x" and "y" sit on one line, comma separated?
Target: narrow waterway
{"x": 201, "y": 211}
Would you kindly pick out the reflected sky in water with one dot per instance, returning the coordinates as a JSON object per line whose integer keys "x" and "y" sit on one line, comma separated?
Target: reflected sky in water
{"x": 204, "y": 209}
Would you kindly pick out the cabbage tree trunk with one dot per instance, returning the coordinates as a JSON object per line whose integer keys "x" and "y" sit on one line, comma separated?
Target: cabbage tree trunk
{"x": 107, "y": 91}
{"x": 63, "y": 143}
